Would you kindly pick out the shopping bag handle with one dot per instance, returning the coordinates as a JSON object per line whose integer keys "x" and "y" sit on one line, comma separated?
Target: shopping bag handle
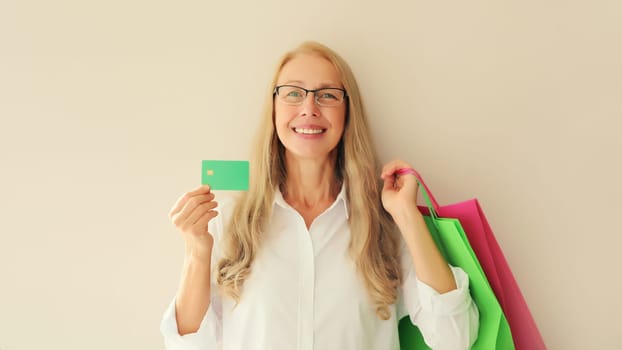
{"x": 427, "y": 194}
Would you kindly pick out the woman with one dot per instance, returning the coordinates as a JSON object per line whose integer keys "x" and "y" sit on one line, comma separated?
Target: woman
{"x": 321, "y": 253}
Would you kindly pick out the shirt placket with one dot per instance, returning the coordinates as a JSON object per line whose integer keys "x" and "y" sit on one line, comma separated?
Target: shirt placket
{"x": 306, "y": 287}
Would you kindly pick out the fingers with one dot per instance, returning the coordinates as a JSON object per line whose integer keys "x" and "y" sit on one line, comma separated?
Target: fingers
{"x": 181, "y": 202}
{"x": 190, "y": 206}
{"x": 395, "y": 181}
{"x": 389, "y": 168}
{"x": 389, "y": 183}
{"x": 199, "y": 211}
{"x": 205, "y": 218}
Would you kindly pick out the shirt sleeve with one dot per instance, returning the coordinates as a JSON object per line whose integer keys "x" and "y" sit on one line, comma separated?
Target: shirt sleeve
{"x": 209, "y": 334}
{"x": 446, "y": 321}
{"x": 207, "y": 337}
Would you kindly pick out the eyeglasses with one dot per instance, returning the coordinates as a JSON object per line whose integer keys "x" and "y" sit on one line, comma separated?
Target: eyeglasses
{"x": 325, "y": 97}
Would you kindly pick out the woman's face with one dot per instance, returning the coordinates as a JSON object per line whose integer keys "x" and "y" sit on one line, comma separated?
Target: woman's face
{"x": 309, "y": 130}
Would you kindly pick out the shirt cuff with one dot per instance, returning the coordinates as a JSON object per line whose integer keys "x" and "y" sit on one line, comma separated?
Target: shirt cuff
{"x": 190, "y": 341}
{"x": 451, "y": 303}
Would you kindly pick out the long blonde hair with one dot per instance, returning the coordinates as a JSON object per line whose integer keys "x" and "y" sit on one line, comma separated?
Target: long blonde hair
{"x": 374, "y": 243}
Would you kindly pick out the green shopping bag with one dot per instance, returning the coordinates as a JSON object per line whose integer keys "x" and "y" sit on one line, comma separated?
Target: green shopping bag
{"x": 494, "y": 330}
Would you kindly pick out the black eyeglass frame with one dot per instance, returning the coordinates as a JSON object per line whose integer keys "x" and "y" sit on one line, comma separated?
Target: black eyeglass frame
{"x": 307, "y": 91}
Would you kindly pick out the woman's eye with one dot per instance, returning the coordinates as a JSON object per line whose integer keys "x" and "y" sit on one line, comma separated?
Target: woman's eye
{"x": 294, "y": 94}
{"x": 328, "y": 95}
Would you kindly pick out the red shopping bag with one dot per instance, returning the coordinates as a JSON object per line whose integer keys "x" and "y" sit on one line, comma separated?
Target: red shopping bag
{"x": 525, "y": 333}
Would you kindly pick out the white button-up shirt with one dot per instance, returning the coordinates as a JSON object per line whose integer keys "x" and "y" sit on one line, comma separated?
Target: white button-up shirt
{"x": 305, "y": 293}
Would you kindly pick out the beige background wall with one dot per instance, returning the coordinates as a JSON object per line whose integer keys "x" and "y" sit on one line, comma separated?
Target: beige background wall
{"x": 107, "y": 109}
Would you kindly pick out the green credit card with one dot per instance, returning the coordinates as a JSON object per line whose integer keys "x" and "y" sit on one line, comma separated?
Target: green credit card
{"x": 231, "y": 175}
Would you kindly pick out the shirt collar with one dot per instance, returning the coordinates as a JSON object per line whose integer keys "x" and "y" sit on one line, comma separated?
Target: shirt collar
{"x": 341, "y": 197}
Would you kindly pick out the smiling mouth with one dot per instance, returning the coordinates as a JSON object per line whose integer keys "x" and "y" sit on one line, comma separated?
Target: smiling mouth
{"x": 307, "y": 131}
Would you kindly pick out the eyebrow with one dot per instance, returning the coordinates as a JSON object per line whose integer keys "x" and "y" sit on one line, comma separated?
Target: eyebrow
{"x": 321, "y": 86}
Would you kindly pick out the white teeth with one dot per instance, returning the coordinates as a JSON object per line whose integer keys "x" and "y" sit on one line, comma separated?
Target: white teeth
{"x": 308, "y": 131}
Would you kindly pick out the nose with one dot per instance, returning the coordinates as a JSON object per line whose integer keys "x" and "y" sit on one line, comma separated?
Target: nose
{"x": 309, "y": 106}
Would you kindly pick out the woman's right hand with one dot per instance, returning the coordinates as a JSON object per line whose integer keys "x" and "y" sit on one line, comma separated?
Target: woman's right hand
{"x": 190, "y": 215}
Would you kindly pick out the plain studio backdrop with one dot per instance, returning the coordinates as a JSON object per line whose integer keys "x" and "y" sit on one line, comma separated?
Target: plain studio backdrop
{"x": 108, "y": 108}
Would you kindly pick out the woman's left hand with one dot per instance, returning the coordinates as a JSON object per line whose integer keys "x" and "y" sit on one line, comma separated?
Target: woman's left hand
{"x": 399, "y": 193}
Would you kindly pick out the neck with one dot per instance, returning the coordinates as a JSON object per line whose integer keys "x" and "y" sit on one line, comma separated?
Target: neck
{"x": 310, "y": 181}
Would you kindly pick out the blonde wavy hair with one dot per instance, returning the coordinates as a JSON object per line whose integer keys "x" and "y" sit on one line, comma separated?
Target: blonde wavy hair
{"x": 374, "y": 245}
